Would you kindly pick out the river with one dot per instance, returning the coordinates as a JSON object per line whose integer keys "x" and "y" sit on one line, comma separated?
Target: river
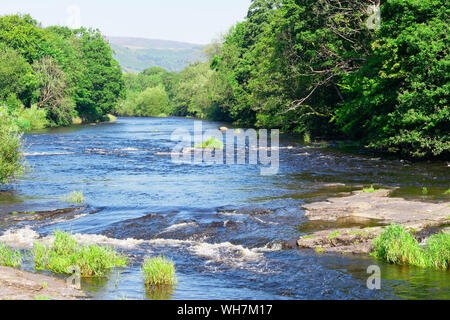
{"x": 222, "y": 225}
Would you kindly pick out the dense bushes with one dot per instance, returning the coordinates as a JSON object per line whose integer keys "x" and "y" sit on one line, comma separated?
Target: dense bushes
{"x": 68, "y": 73}
{"x": 314, "y": 67}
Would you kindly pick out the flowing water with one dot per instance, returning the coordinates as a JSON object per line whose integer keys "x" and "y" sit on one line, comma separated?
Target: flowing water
{"x": 222, "y": 225}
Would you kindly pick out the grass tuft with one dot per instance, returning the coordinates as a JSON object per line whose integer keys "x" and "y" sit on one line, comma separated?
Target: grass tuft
{"x": 159, "y": 271}
{"x": 334, "y": 235}
{"x": 396, "y": 245}
{"x": 74, "y": 197}
{"x": 65, "y": 252}
{"x": 369, "y": 190}
{"x": 9, "y": 257}
{"x": 211, "y": 143}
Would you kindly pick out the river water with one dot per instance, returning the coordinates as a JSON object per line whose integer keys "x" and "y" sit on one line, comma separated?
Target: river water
{"x": 222, "y": 225}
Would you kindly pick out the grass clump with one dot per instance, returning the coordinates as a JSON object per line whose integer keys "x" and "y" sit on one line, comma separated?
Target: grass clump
{"x": 74, "y": 197}
{"x": 334, "y": 235}
{"x": 211, "y": 143}
{"x": 425, "y": 191}
{"x": 369, "y": 190}
{"x": 159, "y": 271}
{"x": 9, "y": 257}
{"x": 396, "y": 245}
{"x": 65, "y": 252}
{"x": 447, "y": 192}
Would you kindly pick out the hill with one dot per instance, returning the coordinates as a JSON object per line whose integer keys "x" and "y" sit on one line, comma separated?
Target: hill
{"x": 138, "y": 54}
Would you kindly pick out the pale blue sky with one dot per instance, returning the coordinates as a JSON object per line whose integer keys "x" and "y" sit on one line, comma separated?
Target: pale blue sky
{"x": 196, "y": 21}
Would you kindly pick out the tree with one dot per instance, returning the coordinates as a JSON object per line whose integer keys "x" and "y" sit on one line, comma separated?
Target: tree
{"x": 16, "y": 75}
{"x": 54, "y": 92}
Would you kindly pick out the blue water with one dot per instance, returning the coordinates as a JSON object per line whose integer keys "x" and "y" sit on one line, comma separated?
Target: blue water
{"x": 222, "y": 225}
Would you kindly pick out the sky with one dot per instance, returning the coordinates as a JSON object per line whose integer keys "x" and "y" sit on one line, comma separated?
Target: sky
{"x": 194, "y": 21}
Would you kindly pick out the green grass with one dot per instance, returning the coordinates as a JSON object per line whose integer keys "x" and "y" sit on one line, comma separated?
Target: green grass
{"x": 425, "y": 191}
{"x": 308, "y": 237}
{"x": 396, "y": 245}
{"x": 447, "y": 192}
{"x": 369, "y": 190}
{"x": 334, "y": 235}
{"x": 211, "y": 143}
{"x": 319, "y": 250}
{"x": 9, "y": 257}
{"x": 65, "y": 252}
{"x": 361, "y": 233}
{"x": 159, "y": 271}
{"x": 43, "y": 298}
{"x": 74, "y": 197}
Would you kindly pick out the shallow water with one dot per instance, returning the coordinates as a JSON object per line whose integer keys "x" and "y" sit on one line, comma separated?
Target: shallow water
{"x": 223, "y": 225}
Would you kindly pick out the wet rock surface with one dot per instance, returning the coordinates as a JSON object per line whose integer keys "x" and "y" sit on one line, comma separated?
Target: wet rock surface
{"x": 21, "y": 285}
{"x": 351, "y": 223}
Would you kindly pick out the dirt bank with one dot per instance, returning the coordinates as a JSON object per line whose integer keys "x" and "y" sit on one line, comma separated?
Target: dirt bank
{"x": 22, "y": 285}
{"x": 349, "y": 224}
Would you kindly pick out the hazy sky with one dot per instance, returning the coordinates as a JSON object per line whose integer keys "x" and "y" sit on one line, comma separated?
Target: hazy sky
{"x": 196, "y": 21}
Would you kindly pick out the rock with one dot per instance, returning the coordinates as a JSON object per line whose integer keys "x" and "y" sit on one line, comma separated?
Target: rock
{"x": 21, "y": 285}
{"x": 349, "y": 215}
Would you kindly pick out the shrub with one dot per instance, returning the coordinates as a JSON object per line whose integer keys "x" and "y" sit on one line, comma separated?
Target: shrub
{"x": 11, "y": 165}
{"x": 9, "y": 257}
{"x": 65, "y": 252}
{"x": 159, "y": 271}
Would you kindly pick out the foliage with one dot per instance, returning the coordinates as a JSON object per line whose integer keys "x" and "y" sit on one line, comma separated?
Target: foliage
{"x": 211, "y": 143}
{"x": 69, "y": 73}
{"x": 11, "y": 165}
{"x": 75, "y": 197}
{"x": 159, "y": 271}
{"x": 9, "y": 257}
{"x": 65, "y": 252}
{"x": 398, "y": 246}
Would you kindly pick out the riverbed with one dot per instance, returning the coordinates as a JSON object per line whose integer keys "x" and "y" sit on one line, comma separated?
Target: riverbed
{"x": 222, "y": 224}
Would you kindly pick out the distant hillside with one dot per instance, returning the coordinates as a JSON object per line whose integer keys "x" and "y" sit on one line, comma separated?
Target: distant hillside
{"x": 138, "y": 54}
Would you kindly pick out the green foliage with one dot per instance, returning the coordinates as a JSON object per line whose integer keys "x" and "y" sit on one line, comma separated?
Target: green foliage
{"x": 334, "y": 235}
{"x": 369, "y": 190}
{"x": 398, "y": 246}
{"x": 159, "y": 271}
{"x": 74, "y": 197}
{"x": 65, "y": 252}
{"x": 11, "y": 165}
{"x": 153, "y": 102}
{"x": 9, "y": 257}
{"x": 211, "y": 143}
{"x": 69, "y": 73}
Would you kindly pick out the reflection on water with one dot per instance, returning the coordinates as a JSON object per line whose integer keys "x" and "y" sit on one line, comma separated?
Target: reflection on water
{"x": 222, "y": 225}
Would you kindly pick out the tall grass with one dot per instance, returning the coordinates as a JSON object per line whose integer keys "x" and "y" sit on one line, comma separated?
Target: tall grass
{"x": 9, "y": 257}
{"x": 396, "y": 245}
{"x": 159, "y": 271}
{"x": 65, "y": 252}
{"x": 74, "y": 197}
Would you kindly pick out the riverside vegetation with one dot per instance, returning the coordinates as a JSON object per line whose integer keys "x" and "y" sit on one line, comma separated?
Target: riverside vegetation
{"x": 314, "y": 68}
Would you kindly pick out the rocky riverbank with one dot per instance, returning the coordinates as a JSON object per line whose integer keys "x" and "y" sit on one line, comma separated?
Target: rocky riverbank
{"x": 349, "y": 224}
{"x": 21, "y": 285}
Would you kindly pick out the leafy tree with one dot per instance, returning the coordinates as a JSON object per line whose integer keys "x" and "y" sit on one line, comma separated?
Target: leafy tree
{"x": 54, "y": 95}
{"x": 16, "y": 75}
